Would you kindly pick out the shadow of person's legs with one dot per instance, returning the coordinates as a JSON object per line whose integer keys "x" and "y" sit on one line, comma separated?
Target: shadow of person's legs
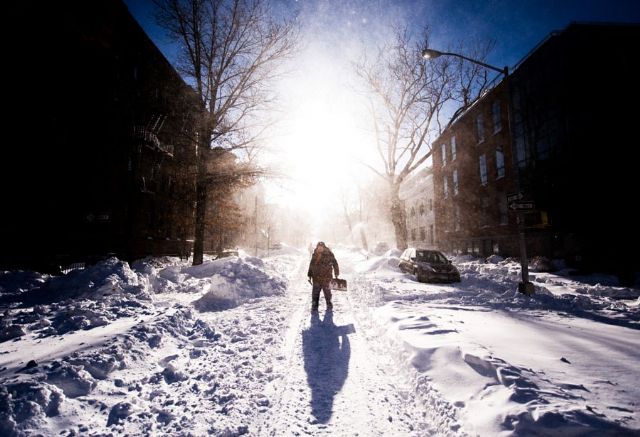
{"x": 326, "y": 352}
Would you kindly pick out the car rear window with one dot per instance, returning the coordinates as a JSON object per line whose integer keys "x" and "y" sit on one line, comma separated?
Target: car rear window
{"x": 430, "y": 256}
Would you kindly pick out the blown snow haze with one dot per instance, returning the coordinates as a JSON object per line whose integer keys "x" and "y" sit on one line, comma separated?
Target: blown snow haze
{"x": 229, "y": 348}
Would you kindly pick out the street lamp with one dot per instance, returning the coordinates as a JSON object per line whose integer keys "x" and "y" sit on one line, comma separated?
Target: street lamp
{"x": 525, "y": 286}
{"x": 432, "y": 54}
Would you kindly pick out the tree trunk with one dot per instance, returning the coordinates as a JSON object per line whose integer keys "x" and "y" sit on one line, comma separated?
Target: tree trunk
{"x": 201, "y": 201}
{"x": 398, "y": 218}
{"x": 363, "y": 238}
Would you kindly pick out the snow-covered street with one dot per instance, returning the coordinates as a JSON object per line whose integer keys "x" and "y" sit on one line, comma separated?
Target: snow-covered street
{"x": 231, "y": 348}
{"x": 334, "y": 383}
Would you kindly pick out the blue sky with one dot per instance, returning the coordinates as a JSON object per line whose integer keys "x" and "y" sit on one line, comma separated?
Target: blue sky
{"x": 516, "y": 26}
{"x": 321, "y": 121}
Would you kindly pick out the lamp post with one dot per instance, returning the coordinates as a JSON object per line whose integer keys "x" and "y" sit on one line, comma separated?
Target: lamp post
{"x": 432, "y": 54}
{"x": 525, "y": 286}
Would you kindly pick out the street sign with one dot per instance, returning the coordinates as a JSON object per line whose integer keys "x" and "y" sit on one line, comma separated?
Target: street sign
{"x": 519, "y": 206}
{"x": 513, "y": 197}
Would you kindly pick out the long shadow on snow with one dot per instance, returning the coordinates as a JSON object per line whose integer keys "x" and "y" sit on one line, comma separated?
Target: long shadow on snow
{"x": 326, "y": 352}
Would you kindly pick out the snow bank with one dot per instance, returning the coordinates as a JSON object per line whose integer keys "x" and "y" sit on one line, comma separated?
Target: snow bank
{"x": 93, "y": 297}
{"x": 286, "y": 249}
{"x": 103, "y": 279}
{"x": 110, "y": 277}
{"x": 26, "y": 405}
{"x": 31, "y": 396}
{"x": 236, "y": 281}
{"x": 19, "y": 281}
{"x": 83, "y": 299}
{"x": 487, "y": 360}
{"x": 149, "y": 361}
{"x": 379, "y": 263}
{"x": 494, "y": 284}
{"x": 223, "y": 283}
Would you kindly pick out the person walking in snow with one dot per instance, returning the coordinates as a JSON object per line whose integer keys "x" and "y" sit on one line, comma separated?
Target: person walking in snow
{"x": 322, "y": 263}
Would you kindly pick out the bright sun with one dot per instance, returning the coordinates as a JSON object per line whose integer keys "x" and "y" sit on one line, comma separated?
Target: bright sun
{"x": 324, "y": 138}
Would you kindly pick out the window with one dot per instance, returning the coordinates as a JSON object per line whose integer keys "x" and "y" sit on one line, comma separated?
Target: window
{"x": 483, "y": 169}
{"x": 421, "y": 208}
{"x": 456, "y": 214}
{"x": 453, "y": 148}
{"x": 485, "y": 218}
{"x": 455, "y": 182}
{"x": 413, "y": 211}
{"x": 423, "y": 234}
{"x": 443, "y": 149}
{"x": 480, "y": 128}
{"x": 430, "y": 204}
{"x": 502, "y": 207}
{"x": 431, "y": 236}
{"x": 446, "y": 187}
{"x": 413, "y": 234}
{"x": 497, "y": 117}
{"x": 499, "y": 163}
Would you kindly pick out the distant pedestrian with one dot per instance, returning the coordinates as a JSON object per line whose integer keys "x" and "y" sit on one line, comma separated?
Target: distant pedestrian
{"x": 320, "y": 274}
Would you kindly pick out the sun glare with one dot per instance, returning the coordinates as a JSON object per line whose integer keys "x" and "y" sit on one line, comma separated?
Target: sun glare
{"x": 324, "y": 138}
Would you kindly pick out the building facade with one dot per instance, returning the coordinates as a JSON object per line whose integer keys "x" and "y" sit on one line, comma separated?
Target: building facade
{"x": 567, "y": 150}
{"x": 473, "y": 174}
{"x": 102, "y": 140}
{"x": 417, "y": 193}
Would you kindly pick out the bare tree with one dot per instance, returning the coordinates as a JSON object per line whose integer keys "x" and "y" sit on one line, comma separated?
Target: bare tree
{"x": 408, "y": 99}
{"x": 229, "y": 51}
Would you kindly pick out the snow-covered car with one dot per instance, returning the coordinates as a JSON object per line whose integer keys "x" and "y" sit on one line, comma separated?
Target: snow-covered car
{"x": 381, "y": 248}
{"x": 428, "y": 265}
{"x": 226, "y": 253}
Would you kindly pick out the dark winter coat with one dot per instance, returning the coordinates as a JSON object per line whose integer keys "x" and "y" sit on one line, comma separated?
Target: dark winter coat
{"x": 321, "y": 265}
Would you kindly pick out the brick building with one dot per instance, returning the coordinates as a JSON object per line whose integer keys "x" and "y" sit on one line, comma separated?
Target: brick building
{"x": 472, "y": 176}
{"x": 568, "y": 149}
{"x": 100, "y": 156}
{"x": 418, "y": 197}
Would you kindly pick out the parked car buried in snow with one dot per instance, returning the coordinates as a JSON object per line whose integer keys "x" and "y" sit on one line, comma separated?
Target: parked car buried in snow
{"x": 428, "y": 265}
{"x": 226, "y": 253}
{"x": 381, "y": 248}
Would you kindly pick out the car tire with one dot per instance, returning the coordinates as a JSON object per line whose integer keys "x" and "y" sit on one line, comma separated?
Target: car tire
{"x": 420, "y": 277}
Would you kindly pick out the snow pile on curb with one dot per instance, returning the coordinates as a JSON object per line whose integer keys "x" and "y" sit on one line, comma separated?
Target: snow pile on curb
{"x": 234, "y": 281}
{"x": 106, "y": 278}
{"x": 100, "y": 294}
{"x": 223, "y": 283}
{"x": 38, "y": 392}
{"x": 80, "y": 300}
{"x": 494, "y": 284}
{"x": 487, "y": 360}
{"x": 379, "y": 263}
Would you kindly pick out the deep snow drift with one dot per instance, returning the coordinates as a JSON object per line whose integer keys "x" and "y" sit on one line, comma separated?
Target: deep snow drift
{"x": 139, "y": 350}
{"x": 229, "y": 348}
{"x": 489, "y": 360}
